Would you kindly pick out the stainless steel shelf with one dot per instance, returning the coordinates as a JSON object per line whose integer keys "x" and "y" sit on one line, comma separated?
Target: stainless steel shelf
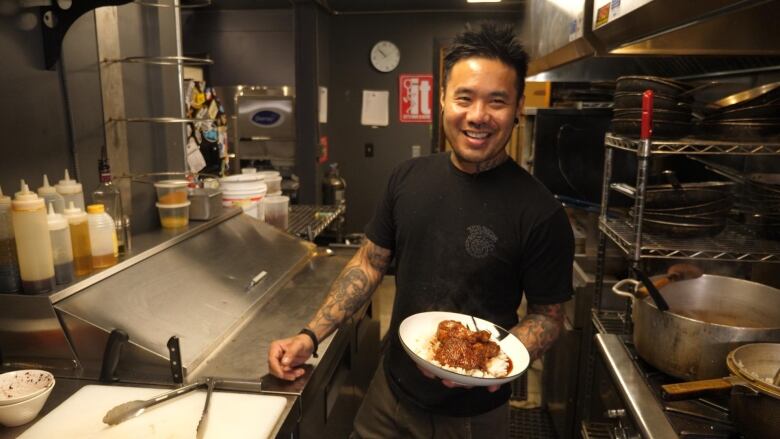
{"x": 609, "y": 322}
{"x": 733, "y": 244}
{"x": 309, "y": 221}
{"x": 694, "y": 146}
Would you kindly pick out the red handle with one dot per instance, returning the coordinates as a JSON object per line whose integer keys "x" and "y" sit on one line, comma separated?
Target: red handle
{"x": 647, "y": 114}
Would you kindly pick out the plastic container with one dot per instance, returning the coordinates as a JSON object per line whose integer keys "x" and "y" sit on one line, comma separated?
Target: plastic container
{"x": 274, "y": 184}
{"x": 172, "y": 192}
{"x": 244, "y": 191}
{"x": 174, "y": 216}
{"x": 268, "y": 174}
{"x": 71, "y": 190}
{"x": 33, "y": 243}
{"x": 102, "y": 236}
{"x": 79, "y": 239}
{"x": 243, "y": 182}
{"x": 276, "y": 210}
{"x": 61, "y": 249}
{"x": 9, "y": 264}
{"x": 50, "y": 195}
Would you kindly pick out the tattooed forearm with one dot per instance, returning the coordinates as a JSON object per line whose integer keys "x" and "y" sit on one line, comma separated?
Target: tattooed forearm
{"x": 540, "y": 328}
{"x": 351, "y": 289}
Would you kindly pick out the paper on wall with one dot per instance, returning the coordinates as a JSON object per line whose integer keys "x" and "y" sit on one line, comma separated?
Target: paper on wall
{"x": 375, "y": 108}
{"x": 323, "y": 102}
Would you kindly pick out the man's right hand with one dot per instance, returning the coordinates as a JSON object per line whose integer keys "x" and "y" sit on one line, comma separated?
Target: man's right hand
{"x": 286, "y": 355}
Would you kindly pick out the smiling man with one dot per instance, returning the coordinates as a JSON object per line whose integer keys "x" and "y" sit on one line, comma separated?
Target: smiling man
{"x": 471, "y": 232}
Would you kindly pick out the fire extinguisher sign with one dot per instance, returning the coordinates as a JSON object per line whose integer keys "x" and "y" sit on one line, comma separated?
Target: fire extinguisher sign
{"x": 415, "y": 98}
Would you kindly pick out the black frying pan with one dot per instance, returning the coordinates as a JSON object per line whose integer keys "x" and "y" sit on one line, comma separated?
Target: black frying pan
{"x": 633, "y": 100}
{"x": 746, "y": 130}
{"x": 761, "y": 95}
{"x": 661, "y": 129}
{"x": 756, "y": 111}
{"x": 659, "y": 85}
{"x": 659, "y": 115}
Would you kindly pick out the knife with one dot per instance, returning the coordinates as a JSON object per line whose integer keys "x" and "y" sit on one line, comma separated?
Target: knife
{"x": 131, "y": 409}
{"x": 200, "y": 432}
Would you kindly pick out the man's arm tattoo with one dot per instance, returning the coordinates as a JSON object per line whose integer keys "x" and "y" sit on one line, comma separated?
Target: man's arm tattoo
{"x": 352, "y": 288}
{"x": 539, "y": 329}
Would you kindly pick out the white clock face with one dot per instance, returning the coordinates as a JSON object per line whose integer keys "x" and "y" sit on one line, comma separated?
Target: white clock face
{"x": 385, "y": 56}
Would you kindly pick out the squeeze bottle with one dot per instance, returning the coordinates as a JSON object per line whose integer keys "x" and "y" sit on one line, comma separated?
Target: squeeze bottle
{"x": 33, "y": 244}
{"x": 79, "y": 239}
{"x": 71, "y": 191}
{"x": 62, "y": 251}
{"x": 9, "y": 265}
{"x": 50, "y": 195}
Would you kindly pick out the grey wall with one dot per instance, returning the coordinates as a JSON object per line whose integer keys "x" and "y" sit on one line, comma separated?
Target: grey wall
{"x": 351, "y": 38}
{"x": 34, "y": 115}
{"x": 249, "y": 47}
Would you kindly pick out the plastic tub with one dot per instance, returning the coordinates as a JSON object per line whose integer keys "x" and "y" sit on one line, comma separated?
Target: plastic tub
{"x": 174, "y": 216}
{"x": 275, "y": 210}
{"x": 274, "y": 184}
{"x": 172, "y": 192}
{"x": 242, "y": 182}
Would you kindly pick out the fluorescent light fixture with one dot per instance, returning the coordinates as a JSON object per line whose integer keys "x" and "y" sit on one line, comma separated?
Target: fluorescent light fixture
{"x": 483, "y": 1}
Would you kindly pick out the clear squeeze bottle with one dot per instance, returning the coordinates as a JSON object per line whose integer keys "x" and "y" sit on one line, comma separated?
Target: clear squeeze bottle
{"x": 107, "y": 194}
{"x": 50, "y": 195}
{"x": 9, "y": 265}
{"x": 33, "y": 244}
{"x": 79, "y": 239}
{"x": 102, "y": 236}
{"x": 71, "y": 191}
{"x": 61, "y": 249}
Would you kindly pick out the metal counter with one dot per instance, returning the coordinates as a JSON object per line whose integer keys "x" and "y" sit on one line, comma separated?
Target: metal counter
{"x": 639, "y": 399}
{"x": 242, "y": 356}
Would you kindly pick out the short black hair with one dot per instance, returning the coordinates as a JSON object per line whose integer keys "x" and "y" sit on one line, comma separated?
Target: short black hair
{"x": 490, "y": 41}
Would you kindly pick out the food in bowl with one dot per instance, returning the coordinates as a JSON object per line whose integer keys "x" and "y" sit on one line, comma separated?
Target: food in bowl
{"x": 417, "y": 333}
{"x": 458, "y": 349}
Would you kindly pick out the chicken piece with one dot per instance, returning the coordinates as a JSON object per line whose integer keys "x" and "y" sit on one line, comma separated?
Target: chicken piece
{"x": 460, "y": 347}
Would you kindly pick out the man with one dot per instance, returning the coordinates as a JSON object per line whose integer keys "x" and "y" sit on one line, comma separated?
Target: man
{"x": 470, "y": 232}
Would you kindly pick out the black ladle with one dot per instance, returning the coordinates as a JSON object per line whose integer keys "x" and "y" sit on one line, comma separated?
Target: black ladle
{"x": 654, "y": 293}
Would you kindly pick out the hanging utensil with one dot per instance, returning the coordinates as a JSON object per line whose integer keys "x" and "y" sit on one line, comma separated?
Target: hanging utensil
{"x": 200, "y": 432}
{"x": 675, "y": 273}
{"x": 654, "y": 293}
{"x": 131, "y": 409}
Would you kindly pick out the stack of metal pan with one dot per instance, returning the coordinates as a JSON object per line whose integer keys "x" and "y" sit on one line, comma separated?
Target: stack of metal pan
{"x": 760, "y": 202}
{"x": 750, "y": 115}
{"x": 688, "y": 210}
{"x": 672, "y": 112}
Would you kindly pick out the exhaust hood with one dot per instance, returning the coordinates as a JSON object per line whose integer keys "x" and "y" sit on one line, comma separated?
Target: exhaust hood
{"x": 639, "y": 34}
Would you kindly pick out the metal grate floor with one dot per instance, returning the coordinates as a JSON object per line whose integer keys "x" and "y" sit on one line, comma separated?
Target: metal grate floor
{"x": 530, "y": 424}
{"x": 520, "y": 388}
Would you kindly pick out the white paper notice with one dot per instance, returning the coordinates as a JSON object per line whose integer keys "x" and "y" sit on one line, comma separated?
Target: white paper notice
{"x": 375, "y": 108}
{"x": 323, "y": 104}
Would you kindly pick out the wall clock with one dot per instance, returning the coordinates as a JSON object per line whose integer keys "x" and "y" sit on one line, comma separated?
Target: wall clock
{"x": 385, "y": 56}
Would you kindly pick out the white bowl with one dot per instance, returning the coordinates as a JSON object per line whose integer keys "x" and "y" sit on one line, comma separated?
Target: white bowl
{"x": 20, "y": 385}
{"x": 14, "y": 415}
{"x": 418, "y": 330}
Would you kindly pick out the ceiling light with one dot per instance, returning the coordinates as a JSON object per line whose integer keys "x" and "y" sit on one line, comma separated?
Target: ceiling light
{"x": 483, "y": 1}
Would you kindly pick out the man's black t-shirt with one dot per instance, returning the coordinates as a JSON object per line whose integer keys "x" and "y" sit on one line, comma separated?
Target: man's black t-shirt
{"x": 467, "y": 243}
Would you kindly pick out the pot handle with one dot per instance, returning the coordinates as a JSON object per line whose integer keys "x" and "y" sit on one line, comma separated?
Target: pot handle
{"x": 691, "y": 388}
{"x": 617, "y": 288}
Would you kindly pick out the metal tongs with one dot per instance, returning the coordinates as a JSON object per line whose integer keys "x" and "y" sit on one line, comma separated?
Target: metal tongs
{"x": 131, "y": 409}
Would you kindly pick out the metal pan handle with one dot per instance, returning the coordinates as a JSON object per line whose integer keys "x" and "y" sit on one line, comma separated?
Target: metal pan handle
{"x": 618, "y": 288}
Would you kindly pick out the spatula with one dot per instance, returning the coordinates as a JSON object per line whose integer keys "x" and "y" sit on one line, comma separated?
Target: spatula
{"x": 131, "y": 409}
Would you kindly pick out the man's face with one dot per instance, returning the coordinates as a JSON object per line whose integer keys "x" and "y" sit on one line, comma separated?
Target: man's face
{"x": 480, "y": 104}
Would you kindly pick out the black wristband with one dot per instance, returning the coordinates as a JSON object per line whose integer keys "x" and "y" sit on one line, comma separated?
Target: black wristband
{"x": 313, "y": 338}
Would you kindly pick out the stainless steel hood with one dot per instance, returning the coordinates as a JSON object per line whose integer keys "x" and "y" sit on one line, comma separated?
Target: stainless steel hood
{"x": 707, "y": 35}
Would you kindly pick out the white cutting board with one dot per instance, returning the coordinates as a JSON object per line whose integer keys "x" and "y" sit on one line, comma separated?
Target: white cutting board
{"x": 231, "y": 415}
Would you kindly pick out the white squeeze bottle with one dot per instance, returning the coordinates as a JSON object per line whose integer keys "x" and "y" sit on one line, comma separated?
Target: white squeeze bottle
{"x": 33, "y": 244}
{"x": 71, "y": 191}
{"x": 102, "y": 236}
{"x": 9, "y": 265}
{"x": 61, "y": 249}
{"x": 50, "y": 195}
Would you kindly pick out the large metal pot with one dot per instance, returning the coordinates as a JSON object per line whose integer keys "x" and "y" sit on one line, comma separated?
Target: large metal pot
{"x": 707, "y": 317}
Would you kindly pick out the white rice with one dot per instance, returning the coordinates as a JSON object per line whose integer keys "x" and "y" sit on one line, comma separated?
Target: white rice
{"x": 498, "y": 366}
